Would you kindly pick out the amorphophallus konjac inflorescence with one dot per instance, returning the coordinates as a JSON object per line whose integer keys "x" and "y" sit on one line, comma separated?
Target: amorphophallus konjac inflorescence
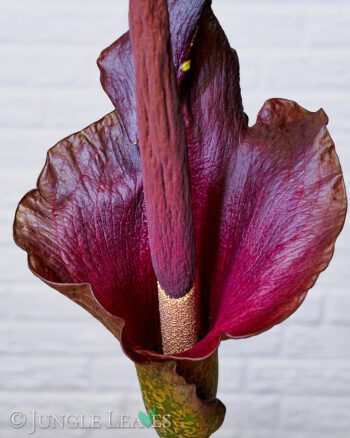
{"x": 175, "y": 223}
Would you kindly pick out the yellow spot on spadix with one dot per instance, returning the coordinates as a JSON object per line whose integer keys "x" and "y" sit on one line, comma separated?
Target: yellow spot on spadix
{"x": 186, "y": 65}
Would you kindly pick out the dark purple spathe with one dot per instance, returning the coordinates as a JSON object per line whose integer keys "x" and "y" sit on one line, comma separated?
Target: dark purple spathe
{"x": 268, "y": 200}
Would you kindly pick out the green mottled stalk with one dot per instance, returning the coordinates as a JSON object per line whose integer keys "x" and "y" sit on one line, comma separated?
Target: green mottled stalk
{"x": 182, "y": 394}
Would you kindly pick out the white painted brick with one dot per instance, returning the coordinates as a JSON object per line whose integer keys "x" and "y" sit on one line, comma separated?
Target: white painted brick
{"x": 338, "y": 307}
{"x": 39, "y": 302}
{"x": 63, "y": 22}
{"x": 231, "y": 374}
{"x": 246, "y": 413}
{"x": 306, "y": 70}
{"x": 4, "y": 306}
{"x": 260, "y": 26}
{"x": 304, "y": 25}
{"x": 48, "y": 338}
{"x": 43, "y": 68}
{"x": 299, "y": 377}
{"x": 313, "y": 343}
{"x": 328, "y": 27}
{"x": 266, "y": 344}
{"x": 21, "y": 110}
{"x": 248, "y": 433}
{"x": 26, "y": 373}
{"x": 116, "y": 374}
{"x": 316, "y": 415}
{"x": 291, "y": 433}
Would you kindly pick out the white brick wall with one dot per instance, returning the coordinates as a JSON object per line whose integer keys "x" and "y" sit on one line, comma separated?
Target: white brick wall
{"x": 291, "y": 382}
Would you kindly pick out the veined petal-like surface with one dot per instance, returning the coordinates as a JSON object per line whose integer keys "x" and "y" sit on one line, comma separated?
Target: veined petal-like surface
{"x": 283, "y": 207}
{"x": 86, "y": 224}
{"x": 268, "y": 201}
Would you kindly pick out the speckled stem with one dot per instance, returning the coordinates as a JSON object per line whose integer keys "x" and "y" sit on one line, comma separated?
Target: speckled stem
{"x": 181, "y": 395}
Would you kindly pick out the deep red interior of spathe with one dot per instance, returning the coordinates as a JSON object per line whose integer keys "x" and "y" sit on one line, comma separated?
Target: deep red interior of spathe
{"x": 268, "y": 200}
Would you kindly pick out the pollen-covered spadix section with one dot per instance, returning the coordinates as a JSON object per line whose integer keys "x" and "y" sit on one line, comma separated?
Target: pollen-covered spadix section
{"x": 179, "y": 321}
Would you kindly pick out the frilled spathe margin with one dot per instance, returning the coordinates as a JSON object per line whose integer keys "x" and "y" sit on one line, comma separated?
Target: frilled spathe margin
{"x": 268, "y": 203}
{"x": 307, "y": 192}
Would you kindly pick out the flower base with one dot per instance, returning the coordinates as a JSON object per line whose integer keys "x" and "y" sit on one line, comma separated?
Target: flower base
{"x": 182, "y": 397}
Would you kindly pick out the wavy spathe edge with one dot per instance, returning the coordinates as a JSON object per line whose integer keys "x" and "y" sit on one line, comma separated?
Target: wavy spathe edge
{"x": 83, "y": 294}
